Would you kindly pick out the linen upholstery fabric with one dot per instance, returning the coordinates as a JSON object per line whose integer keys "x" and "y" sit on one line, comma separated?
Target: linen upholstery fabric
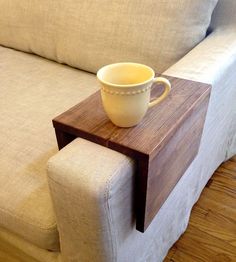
{"x": 212, "y": 61}
{"x": 88, "y": 34}
{"x": 224, "y": 14}
{"x": 87, "y": 190}
{"x": 33, "y": 91}
{"x": 15, "y": 249}
{"x": 98, "y": 194}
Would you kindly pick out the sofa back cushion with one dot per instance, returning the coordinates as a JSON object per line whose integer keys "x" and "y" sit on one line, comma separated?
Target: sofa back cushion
{"x": 88, "y": 34}
{"x": 224, "y": 15}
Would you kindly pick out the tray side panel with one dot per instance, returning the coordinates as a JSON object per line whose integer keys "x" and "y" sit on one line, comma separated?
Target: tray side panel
{"x": 168, "y": 166}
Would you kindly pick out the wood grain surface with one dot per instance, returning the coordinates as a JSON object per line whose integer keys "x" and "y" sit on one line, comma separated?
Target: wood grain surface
{"x": 163, "y": 144}
{"x": 211, "y": 233}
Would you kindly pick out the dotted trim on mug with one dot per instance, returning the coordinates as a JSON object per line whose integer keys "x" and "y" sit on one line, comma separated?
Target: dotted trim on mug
{"x": 125, "y": 93}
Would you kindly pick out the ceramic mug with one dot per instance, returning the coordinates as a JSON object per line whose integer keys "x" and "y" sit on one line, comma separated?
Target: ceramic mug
{"x": 125, "y": 91}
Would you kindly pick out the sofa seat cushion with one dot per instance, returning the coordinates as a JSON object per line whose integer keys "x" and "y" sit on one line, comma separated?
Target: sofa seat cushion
{"x": 89, "y": 34}
{"x": 33, "y": 91}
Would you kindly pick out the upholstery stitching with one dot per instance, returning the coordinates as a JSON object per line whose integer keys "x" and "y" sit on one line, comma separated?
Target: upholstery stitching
{"x": 108, "y": 186}
{"x": 110, "y": 216}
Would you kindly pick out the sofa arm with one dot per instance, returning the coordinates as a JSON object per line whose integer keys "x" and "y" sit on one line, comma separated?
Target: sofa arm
{"x": 213, "y": 61}
{"x": 92, "y": 186}
{"x": 83, "y": 178}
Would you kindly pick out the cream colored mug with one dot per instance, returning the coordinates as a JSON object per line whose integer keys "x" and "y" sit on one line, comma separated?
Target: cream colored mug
{"x": 125, "y": 91}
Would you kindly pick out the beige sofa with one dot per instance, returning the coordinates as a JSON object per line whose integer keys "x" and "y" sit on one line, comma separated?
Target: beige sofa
{"x": 86, "y": 212}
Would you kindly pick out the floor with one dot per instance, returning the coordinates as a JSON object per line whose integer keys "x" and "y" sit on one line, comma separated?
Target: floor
{"x": 211, "y": 233}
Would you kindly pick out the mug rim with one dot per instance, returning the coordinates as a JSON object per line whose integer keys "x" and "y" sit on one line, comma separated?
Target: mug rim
{"x": 99, "y": 72}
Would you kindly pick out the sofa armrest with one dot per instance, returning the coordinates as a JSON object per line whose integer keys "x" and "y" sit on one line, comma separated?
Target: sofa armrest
{"x": 212, "y": 59}
{"x": 83, "y": 178}
{"x": 92, "y": 186}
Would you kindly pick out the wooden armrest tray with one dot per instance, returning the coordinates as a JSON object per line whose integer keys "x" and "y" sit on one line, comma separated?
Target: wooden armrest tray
{"x": 164, "y": 144}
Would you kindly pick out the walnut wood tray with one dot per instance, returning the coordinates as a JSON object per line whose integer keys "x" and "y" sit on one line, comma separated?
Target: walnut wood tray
{"x": 163, "y": 144}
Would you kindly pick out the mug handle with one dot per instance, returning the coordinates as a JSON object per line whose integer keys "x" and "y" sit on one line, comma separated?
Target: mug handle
{"x": 167, "y": 86}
